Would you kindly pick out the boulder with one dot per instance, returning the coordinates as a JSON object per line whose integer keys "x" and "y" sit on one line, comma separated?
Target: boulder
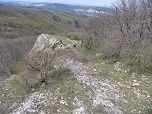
{"x": 47, "y": 43}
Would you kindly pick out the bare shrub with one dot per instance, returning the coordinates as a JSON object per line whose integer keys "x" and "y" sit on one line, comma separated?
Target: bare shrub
{"x": 12, "y": 51}
{"x": 85, "y": 58}
{"x": 125, "y": 33}
{"x": 39, "y": 67}
{"x": 111, "y": 50}
{"x": 61, "y": 72}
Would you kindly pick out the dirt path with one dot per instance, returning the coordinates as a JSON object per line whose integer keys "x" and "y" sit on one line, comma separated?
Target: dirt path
{"x": 104, "y": 92}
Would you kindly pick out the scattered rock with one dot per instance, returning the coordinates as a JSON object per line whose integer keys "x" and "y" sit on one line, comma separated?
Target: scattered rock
{"x": 148, "y": 96}
{"x": 134, "y": 75}
{"x": 41, "y": 112}
{"x": 118, "y": 66}
{"x": 77, "y": 101}
{"x": 134, "y": 81}
{"x": 135, "y": 84}
{"x": 95, "y": 70}
{"x": 63, "y": 102}
{"x": 133, "y": 110}
{"x": 145, "y": 79}
{"x": 80, "y": 110}
{"x": 103, "y": 91}
{"x": 34, "y": 100}
{"x": 139, "y": 112}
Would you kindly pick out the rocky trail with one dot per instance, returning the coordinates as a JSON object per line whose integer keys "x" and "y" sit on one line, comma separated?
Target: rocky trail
{"x": 104, "y": 93}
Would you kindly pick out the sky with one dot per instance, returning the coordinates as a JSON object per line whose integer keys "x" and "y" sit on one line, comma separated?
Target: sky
{"x": 75, "y": 2}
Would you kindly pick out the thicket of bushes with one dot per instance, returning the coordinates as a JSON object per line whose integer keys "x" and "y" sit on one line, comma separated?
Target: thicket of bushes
{"x": 124, "y": 34}
{"x": 12, "y": 51}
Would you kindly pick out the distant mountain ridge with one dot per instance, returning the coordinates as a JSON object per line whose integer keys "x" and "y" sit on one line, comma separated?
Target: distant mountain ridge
{"x": 76, "y": 9}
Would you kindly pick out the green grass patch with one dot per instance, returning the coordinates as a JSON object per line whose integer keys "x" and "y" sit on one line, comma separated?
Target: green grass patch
{"x": 136, "y": 97}
{"x": 73, "y": 89}
{"x": 74, "y": 38}
{"x": 68, "y": 89}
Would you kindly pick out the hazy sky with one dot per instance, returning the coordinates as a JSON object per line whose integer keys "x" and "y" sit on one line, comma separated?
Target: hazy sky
{"x": 77, "y": 2}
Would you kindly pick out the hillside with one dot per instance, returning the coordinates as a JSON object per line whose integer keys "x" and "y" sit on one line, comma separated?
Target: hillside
{"x": 16, "y": 21}
{"x": 103, "y": 68}
{"x": 59, "y": 78}
{"x": 19, "y": 28}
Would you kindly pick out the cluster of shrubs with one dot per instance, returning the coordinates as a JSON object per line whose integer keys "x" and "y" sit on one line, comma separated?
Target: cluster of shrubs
{"x": 124, "y": 33}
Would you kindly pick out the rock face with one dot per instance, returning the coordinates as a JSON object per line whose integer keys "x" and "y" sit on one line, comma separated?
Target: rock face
{"x": 47, "y": 43}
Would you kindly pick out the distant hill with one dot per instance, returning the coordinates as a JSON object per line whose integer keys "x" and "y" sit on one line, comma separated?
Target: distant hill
{"x": 75, "y": 9}
{"x": 16, "y": 21}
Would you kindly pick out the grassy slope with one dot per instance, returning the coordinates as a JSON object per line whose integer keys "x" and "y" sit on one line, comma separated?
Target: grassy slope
{"x": 138, "y": 97}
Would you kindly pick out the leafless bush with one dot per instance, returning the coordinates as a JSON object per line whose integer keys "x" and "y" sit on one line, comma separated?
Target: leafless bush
{"x": 125, "y": 33}
{"x": 61, "y": 72}
{"x": 39, "y": 67}
{"x": 85, "y": 58}
{"x": 13, "y": 51}
{"x": 111, "y": 50}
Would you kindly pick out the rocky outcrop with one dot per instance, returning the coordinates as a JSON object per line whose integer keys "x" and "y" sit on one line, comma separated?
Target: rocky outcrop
{"x": 47, "y": 43}
{"x": 40, "y": 60}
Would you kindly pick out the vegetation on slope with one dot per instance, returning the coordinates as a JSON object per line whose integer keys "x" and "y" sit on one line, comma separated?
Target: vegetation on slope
{"x": 124, "y": 35}
{"x": 136, "y": 90}
{"x": 12, "y": 52}
{"x": 17, "y": 21}
{"x": 110, "y": 37}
